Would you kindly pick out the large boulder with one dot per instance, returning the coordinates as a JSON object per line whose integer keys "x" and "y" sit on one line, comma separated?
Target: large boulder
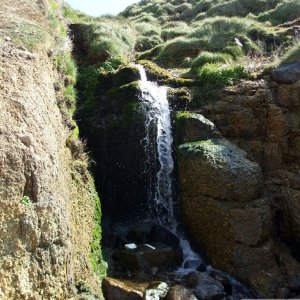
{"x": 219, "y": 186}
{"x": 192, "y": 127}
{"x": 218, "y": 169}
{"x": 287, "y": 73}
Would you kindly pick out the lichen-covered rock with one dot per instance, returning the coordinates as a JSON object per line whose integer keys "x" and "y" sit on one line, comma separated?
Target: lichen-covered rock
{"x": 218, "y": 169}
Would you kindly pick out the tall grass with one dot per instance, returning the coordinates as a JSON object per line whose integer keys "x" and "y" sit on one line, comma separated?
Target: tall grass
{"x": 292, "y": 55}
{"x": 286, "y": 10}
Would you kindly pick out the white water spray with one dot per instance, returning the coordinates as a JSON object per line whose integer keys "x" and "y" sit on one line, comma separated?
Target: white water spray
{"x": 159, "y": 112}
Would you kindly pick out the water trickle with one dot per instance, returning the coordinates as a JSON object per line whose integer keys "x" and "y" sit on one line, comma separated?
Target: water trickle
{"x": 158, "y": 112}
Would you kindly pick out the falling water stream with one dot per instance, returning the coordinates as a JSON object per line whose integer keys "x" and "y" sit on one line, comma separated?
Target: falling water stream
{"x": 159, "y": 113}
{"x": 161, "y": 199}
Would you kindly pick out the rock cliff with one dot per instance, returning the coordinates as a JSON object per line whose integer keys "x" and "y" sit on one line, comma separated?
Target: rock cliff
{"x": 47, "y": 196}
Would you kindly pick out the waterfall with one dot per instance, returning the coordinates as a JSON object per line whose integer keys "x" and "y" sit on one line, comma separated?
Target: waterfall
{"x": 158, "y": 112}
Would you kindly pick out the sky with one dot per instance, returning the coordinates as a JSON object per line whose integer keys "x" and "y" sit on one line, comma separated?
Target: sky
{"x": 100, "y": 7}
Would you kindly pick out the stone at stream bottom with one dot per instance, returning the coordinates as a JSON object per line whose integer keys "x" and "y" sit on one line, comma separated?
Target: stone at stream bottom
{"x": 116, "y": 290}
{"x": 156, "y": 291}
{"x": 144, "y": 258}
{"x": 205, "y": 287}
{"x": 179, "y": 292}
{"x": 159, "y": 234}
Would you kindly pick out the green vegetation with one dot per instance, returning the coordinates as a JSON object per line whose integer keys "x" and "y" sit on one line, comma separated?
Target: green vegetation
{"x": 210, "y": 57}
{"x": 99, "y": 266}
{"x": 220, "y": 74}
{"x": 286, "y": 10}
{"x": 26, "y": 200}
{"x": 292, "y": 55}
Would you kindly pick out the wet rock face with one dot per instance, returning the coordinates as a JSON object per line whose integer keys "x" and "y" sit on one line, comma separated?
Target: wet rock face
{"x": 240, "y": 198}
{"x": 114, "y": 124}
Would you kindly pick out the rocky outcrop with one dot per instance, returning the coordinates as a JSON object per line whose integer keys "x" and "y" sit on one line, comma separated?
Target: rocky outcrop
{"x": 239, "y": 198}
{"x": 287, "y": 73}
{"x": 47, "y": 198}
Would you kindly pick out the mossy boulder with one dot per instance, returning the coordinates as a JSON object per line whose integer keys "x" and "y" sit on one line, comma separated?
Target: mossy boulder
{"x": 179, "y": 98}
{"x": 118, "y": 78}
{"x": 220, "y": 170}
{"x": 163, "y": 76}
{"x": 225, "y": 212}
{"x": 192, "y": 127}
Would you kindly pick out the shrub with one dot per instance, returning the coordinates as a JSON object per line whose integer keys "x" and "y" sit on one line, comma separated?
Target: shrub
{"x": 241, "y": 7}
{"x": 70, "y": 95}
{"x": 220, "y": 74}
{"x": 111, "y": 64}
{"x": 25, "y": 200}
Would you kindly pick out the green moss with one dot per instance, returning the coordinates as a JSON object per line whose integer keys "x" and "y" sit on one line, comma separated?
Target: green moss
{"x": 163, "y": 76}
{"x": 184, "y": 115}
{"x": 156, "y": 71}
{"x": 99, "y": 266}
{"x": 65, "y": 64}
{"x": 87, "y": 82}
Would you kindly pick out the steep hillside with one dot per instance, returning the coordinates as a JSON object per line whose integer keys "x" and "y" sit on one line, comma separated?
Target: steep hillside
{"x": 232, "y": 72}
{"x": 229, "y": 66}
{"x": 49, "y": 209}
